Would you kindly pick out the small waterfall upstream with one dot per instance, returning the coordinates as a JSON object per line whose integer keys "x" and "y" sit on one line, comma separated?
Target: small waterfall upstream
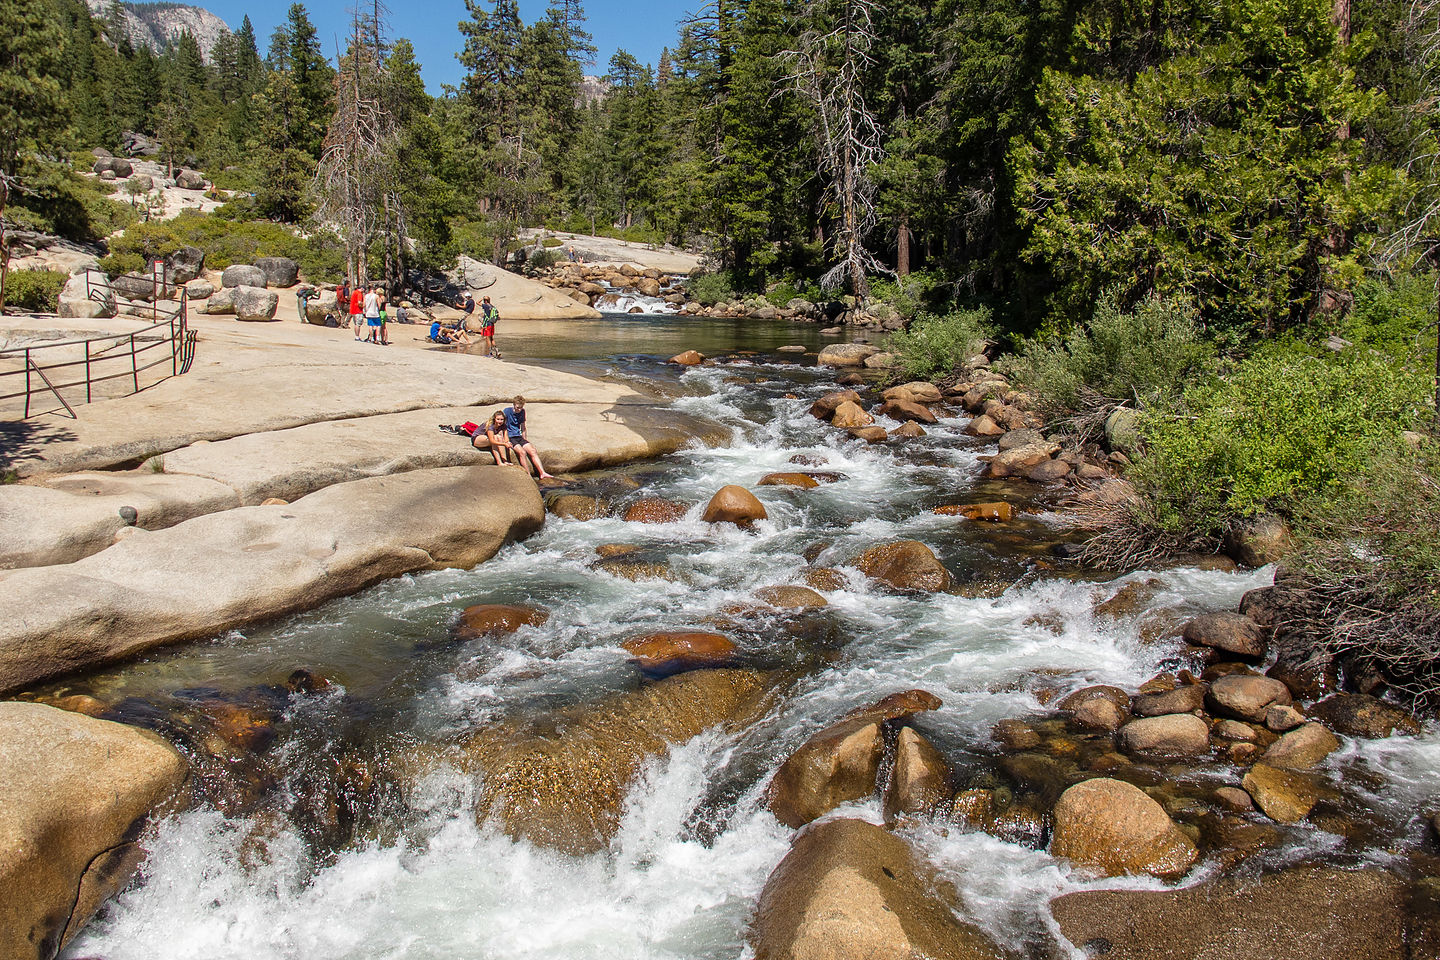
{"x": 312, "y": 855}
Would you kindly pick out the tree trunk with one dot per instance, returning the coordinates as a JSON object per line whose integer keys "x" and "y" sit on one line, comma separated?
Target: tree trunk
{"x": 902, "y": 246}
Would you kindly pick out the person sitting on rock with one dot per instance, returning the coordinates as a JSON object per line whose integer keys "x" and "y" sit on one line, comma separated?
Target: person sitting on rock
{"x": 495, "y": 433}
{"x": 519, "y": 440}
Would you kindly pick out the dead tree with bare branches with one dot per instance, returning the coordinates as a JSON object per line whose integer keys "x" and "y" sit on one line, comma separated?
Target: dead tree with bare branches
{"x": 829, "y": 68}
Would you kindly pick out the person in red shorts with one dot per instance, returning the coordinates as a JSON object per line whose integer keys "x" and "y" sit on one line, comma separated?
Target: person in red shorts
{"x": 488, "y": 316}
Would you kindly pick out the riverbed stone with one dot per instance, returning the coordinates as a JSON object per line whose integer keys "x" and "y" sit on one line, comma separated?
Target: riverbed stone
{"x": 909, "y": 430}
{"x": 825, "y": 578}
{"x": 1019, "y": 460}
{"x": 1048, "y": 471}
{"x": 734, "y": 504}
{"x": 1171, "y": 735}
{"x": 849, "y": 415}
{"x": 1283, "y": 719}
{"x": 655, "y": 510}
{"x": 216, "y": 572}
{"x": 1230, "y": 632}
{"x": 917, "y": 391}
{"x": 1257, "y": 541}
{"x": 997, "y": 512}
{"x": 1283, "y": 795}
{"x": 850, "y": 889}
{"x": 907, "y": 410}
{"x": 575, "y": 506}
{"x": 1099, "y": 715}
{"x": 1361, "y": 715}
{"x": 906, "y": 565}
{"x": 871, "y": 434}
{"x": 1288, "y": 915}
{"x": 1245, "y": 697}
{"x": 846, "y": 355}
{"x": 802, "y": 480}
{"x": 491, "y": 619}
{"x": 825, "y": 407}
{"x": 919, "y": 778}
{"x": 835, "y": 766}
{"x": 1114, "y": 828}
{"x": 673, "y": 651}
{"x": 567, "y": 790}
{"x": 791, "y": 597}
{"x": 984, "y": 426}
{"x": 688, "y": 358}
{"x": 1301, "y": 748}
{"x": 74, "y": 793}
{"x": 1186, "y": 698}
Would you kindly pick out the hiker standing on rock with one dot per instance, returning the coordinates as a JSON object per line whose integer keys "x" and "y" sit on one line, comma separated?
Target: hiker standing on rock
{"x": 342, "y": 301}
{"x": 488, "y": 316}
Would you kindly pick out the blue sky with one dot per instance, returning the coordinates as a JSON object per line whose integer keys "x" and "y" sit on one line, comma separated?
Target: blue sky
{"x": 641, "y": 26}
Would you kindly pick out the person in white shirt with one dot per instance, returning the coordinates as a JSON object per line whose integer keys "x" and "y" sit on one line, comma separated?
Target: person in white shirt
{"x": 372, "y": 315}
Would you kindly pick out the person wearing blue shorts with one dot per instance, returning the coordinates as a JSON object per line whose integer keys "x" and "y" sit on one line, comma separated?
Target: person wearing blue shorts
{"x": 519, "y": 441}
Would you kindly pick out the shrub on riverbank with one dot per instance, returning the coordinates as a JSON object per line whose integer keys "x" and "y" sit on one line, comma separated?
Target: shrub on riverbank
{"x": 1117, "y": 356}
{"x": 709, "y": 289}
{"x": 933, "y": 346}
{"x": 225, "y": 242}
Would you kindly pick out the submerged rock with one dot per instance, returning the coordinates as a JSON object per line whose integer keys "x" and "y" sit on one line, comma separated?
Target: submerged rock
{"x": 674, "y": 651}
{"x": 561, "y": 780}
{"x": 1301, "y": 748}
{"x": 1231, "y": 632}
{"x": 906, "y": 565}
{"x": 849, "y": 889}
{"x": 1283, "y": 795}
{"x": 734, "y": 504}
{"x": 920, "y": 778}
{"x": 655, "y": 510}
{"x": 1361, "y": 715}
{"x": 487, "y": 619}
{"x": 1246, "y": 697}
{"x": 791, "y": 597}
{"x": 836, "y": 766}
{"x": 802, "y": 480}
{"x": 998, "y": 512}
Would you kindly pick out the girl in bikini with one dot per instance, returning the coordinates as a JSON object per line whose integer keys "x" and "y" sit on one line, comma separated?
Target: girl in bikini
{"x": 495, "y": 433}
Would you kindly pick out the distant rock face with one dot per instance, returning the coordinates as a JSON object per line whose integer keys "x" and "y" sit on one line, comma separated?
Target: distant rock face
{"x": 158, "y": 25}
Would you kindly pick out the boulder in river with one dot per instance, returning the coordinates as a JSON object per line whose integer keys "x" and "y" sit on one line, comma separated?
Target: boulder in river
{"x": 983, "y": 426}
{"x": 1171, "y": 735}
{"x": 1284, "y": 795}
{"x": 1301, "y": 748}
{"x": 917, "y": 391}
{"x": 74, "y": 793}
{"x": 1361, "y": 715}
{"x": 919, "y": 777}
{"x": 734, "y": 504}
{"x": 791, "y": 597}
{"x": 907, "y": 410}
{"x": 1246, "y": 697}
{"x": 849, "y": 415}
{"x": 836, "y": 766}
{"x": 1288, "y": 915}
{"x": 674, "y": 651}
{"x": 566, "y": 790}
{"x": 1018, "y": 461}
{"x": 998, "y": 512}
{"x": 1256, "y": 541}
{"x": 802, "y": 480}
{"x": 491, "y": 619}
{"x": 906, "y": 565}
{"x": 1115, "y": 828}
{"x": 1230, "y": 632}
{"x": 574, "y": 506}
{"x": 655, "y": 510}
{"x": 849, "y": 889}
{"x": 825, "y": 407}
{"x": 689, "y": 358}
{"x": 846, "y": 355}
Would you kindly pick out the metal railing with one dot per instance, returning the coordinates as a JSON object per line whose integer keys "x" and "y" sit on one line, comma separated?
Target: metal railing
{"x": 167, "y": 340}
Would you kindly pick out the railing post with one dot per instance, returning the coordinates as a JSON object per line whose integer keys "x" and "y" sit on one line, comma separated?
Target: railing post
{"x": 134, "y": 364}
{"x": 87, "y": 369}
{"x": 28, "y": 365}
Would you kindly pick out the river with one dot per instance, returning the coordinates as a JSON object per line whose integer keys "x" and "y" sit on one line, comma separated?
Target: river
{"x": 299, "y": 851}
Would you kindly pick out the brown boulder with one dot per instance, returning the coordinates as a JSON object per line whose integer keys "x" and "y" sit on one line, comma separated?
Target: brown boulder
{"x": 905, "y": 565}
{"x": 802, "y": 480}
{"x": 1098, "y": 714}
{"x": 919, "y": 779}
{"x": 487, "y": 619}
{"x": 1048, "y": 471}
{"x": 983, "y": 426}
{"x": 734, "y": 504}
{"x": 849, "y": 889}
{"x": 689, "y": 358}
{"x": 1361, "y": 715}
{"x": 1230, "y": 632}
{"x": 998, "y": 512}
{"x": 872, "y": 434}
{"x": 655, "y": 510}
{"x": 671, "y": 652}
{"x": 894, "y": 706}
{"x": 834, "y": 767}
{"x": 75, "y": 793}
{"x": 1246, "y": 697}
{"x": 561, "y": 780}
{"x": 791, "y": 597}
{"x": 572, "y": 506}
{"x": 1183, "y": 699}
{"x": 1114, "y": 828}
{"x": 1301, "y": 748}
{"x": 1289, "y": 915}
{"x": 850, "y": 414}
{"x": 1018, "y": 461}
{"x": 1171, "y": 735}
{"x": 825, "y": 407}
{"x": 825, "y": 578}
{"x": 916, "y": 392}
{"x": 1258, "y": 541}
{"x": 1115, "y": 695}
{"x": 1283, "y": 796}
{"x": 910, "y": 430}
{"x": 907, "y": 410}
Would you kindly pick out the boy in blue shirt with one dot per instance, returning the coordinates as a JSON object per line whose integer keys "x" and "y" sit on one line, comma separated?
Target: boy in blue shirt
{"x": 519, "y": 442}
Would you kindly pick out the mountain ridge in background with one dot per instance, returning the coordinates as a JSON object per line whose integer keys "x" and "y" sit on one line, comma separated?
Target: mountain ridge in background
{"x": 158, "y": 25}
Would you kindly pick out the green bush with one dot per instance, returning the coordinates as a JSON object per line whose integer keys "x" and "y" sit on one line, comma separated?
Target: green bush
{"x": 225, "y": 242}
{"x": 1288, "y": 428}
{"x": 911, "y": 295}
{"x": 711, "y": 288}
{"x": 935, "y": 345}
{"x": 551, "y": 242}
{"x": 1118, "y": 356}
{"x": 36, "y": 291}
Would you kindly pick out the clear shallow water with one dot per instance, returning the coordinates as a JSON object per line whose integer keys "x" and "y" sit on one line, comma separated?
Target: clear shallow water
{"x": 268, "y": 869}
